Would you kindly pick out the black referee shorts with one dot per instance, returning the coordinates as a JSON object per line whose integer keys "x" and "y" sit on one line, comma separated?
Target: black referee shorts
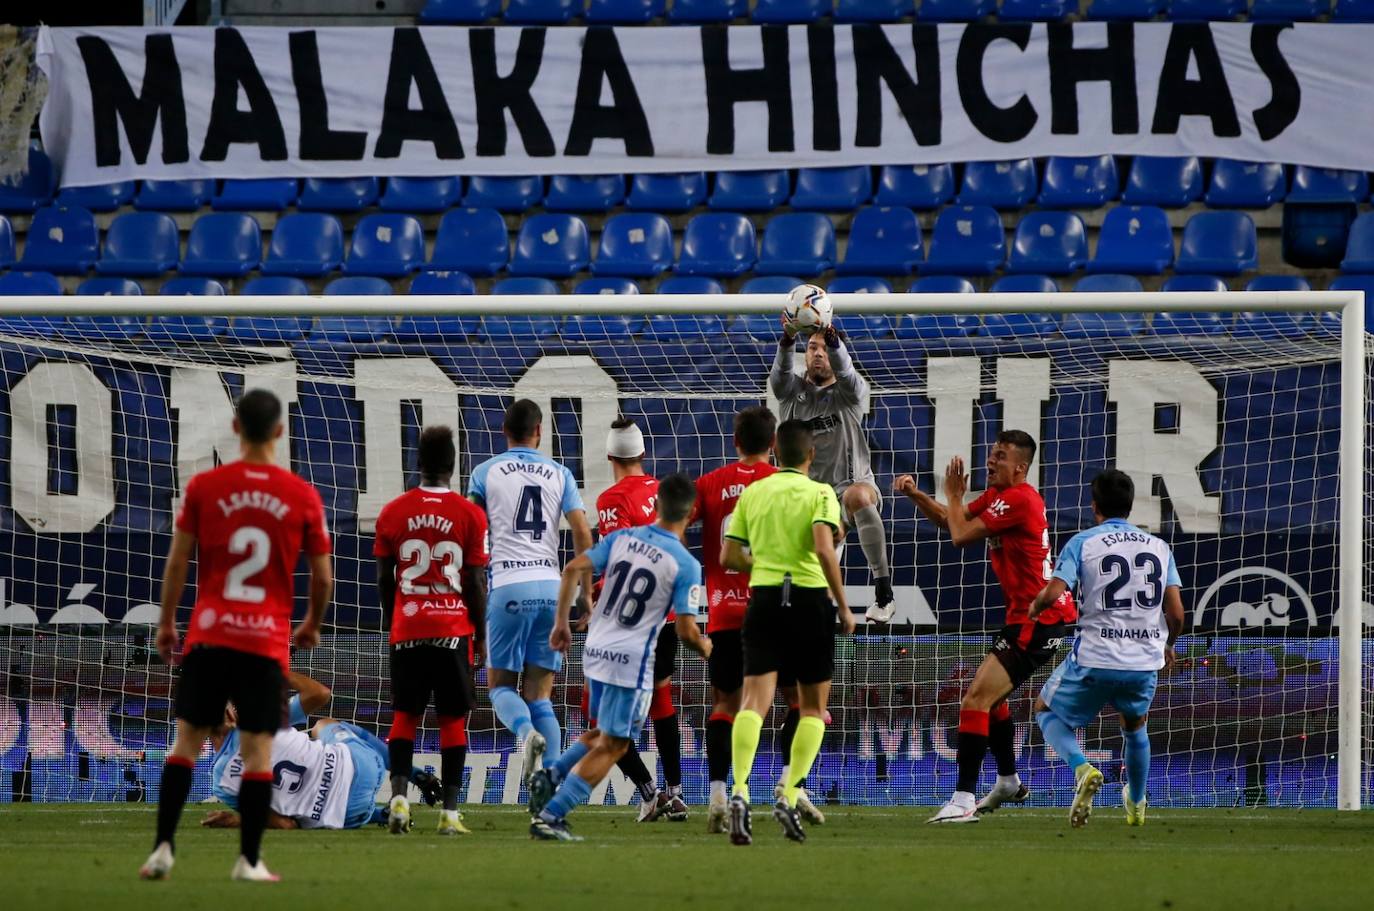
{"x": 665, "y": 652}
{"x": 417, "y": 671}
{"x": 796, "y": 641}
{"x": 212, "y": 676}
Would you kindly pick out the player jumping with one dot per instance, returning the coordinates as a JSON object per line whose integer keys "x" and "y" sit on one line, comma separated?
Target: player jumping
{"x": 1011, "y": 515}
{"x": 1124, "y": 577}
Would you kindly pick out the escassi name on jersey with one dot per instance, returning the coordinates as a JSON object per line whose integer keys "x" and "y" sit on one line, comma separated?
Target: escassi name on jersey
{"x": 429, "y": 520}
{"x": 253, "y": 499}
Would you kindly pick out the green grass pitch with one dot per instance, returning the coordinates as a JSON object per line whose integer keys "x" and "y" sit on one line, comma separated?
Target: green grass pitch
{"x": 87, "y": 857}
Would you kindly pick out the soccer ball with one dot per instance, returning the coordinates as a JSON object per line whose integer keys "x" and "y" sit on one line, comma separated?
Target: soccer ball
{"x": 808, "y": 310}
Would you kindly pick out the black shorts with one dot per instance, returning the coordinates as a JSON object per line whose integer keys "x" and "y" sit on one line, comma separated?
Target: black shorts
{"x": 796, "y": 641}
{"x": 423, "y": 669}
{"x": 1024, "y": 648}
{"x": 727, "y": 660}
{"x": 212, "y": 676}
{"x": 665, "y": 653}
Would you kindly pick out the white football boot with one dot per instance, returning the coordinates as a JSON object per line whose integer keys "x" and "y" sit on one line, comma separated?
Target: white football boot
{"x": 159, "y": 863}
{"x": 255, "y": 873}
{"x": 532, "y": 755}
{"x": 451, "y": 823}
{"x": 398, "y": 815}
{"x": 1004, "y": 792}
{"x": 960, "y": 808}
{"x": 717, "y": 812}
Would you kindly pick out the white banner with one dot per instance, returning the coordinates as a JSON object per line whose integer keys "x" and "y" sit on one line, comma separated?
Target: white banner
{"x": 258, "y": 102}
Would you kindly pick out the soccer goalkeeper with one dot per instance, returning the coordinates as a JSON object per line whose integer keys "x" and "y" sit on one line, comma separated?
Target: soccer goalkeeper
{"x": 831, "y": 396}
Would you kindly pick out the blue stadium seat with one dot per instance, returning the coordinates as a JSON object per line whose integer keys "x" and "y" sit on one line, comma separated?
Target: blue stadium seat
{"x": 443, "y": 282}
{"x": 667, "y": 192}
{"x": 435, "y": 329}
{"x": 883, "y": 240}
{"x": 1018, "y": 325}
{"x": 1102, "y": 325}
{"x": 832, "y": 189}
{"x": 1267, "y": 325}
{"x": 103, "y": 286}
{"x": 585, "y": 192}
{"x": 1363, "y": 283}
{"x": 680, "y": 327}
{"x": 523, "y": 285}
{"x": 873, "y": 10}
{"x": 541, "y": 12}
{"x": 1187, "y": 283}
{"x": 1134, "y": 239}
{"x": 338, "y": 194}
{"x": 926, "y": 326}
{"x": 223, "y": 244}
{"x": 502, "y": 328}
{"x": 267, "y": 194}
{"x": 750, "y": 191}
{"x": 758, "y": 326}
{"x": 1359, "y": 250}
{"x": 6, "y": 243}
{"x": 689, "y": 284}
{"x": 61, "y": 241}
{"x": 1202, "y": 322}
{"x": 1169, "y": 182}
{"x": 789, "y": 11}
{"x": 174, "y": 195}
{"x": 719, "y": 244}
{"x": 606, "y": 285}
{"x": 505, "y": 194}
{"x": 186, "y": 328}
{"x": 1205, "y": 10}
{"x": 421, "y": 194}
{"x": 770, "y": 284}
{"x": 29, "y": 283}
{"x": 955, "y": 10}
{"x": 1024, "y": 284}
{"x": 459, "y": 12}
{"x": 351, "y": 330}
{"x": 966, "y": 240}
{"x": 1036, "y": 10}
{"x": 1000, "y": 184}
{"x": 918, "y": 186}
{"x": 1079, "y": 183}
{"x": 107, "y": 328}
{"x": 1127, "y": 10}
{"x": 800, "y": 243}
{"x": 1220, "y": 243}
{"x": 859, "y": 284}
{"x": 101, "y": 197}
{"x": 595, "y": 328}
{"x": 551, "y": 245}
{"x": 1353, "y": 11}
{"x": 1246, "y": 184}
{"x": 1278, "y": 283}
{"x": 1051, "y": 242}
{"x": 358, "y": 284}
{"x": 1328, "y": 185}
{"x": 269, "y": 330}
{"x": 1288, "y": 10}
{"x": 472, "y": 241}
{"x": 624, "y": 12}
{"x": 306, "y": 244}
{"x": 942, "y": 284}
{"x": 197, "y": 287}
{"x": 387, "y": 244}
{"x": 636, "y": 244}
{"x": 707, "y": 10}
{"x": 32, "y": 190}
{"x": 140, "y": 243}
{"x": 866, "y": 327}
{"x": 275, "y": 285}
{"x": 1108, "y": 283}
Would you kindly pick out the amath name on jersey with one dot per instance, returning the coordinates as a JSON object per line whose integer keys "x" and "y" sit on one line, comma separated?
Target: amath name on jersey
{"x": 253, "y": 499}
{"x": 429, "y": 520}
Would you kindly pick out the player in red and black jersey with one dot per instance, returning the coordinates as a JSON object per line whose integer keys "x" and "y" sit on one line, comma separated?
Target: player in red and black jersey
{"x": 246, "y": 523}
{"x": 431, "y": 551}
{"x": 1011, "y": 515}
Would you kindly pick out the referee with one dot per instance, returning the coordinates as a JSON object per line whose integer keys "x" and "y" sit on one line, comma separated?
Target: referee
{"x": 789, "y": 524}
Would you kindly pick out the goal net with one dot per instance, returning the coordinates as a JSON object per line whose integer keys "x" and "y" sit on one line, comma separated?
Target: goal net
{"x": 1229, "y": 420}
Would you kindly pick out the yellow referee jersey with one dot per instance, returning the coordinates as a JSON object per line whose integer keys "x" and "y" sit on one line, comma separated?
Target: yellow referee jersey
{"x": 774, "y": 517}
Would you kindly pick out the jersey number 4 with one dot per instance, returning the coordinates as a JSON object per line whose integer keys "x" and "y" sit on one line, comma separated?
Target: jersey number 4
{"x": 529, "y": 513}
{"x": 628, "y": 602}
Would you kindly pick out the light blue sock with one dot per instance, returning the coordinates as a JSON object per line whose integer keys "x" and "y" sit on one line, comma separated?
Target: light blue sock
{"x": 1060, "y": 736}
{"x": 1137, "y": 761}
{"x": 546, "y": 723}
{"x": 571, "y": 757}
{"x": 573, "y": 792}
{"x": 512, "y": 711}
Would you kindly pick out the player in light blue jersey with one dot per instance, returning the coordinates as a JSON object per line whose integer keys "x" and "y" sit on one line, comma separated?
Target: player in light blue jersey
{"x": 525, "y": 493}
{"x": 647, "y": 572}
{"x": 1130, "y": 614}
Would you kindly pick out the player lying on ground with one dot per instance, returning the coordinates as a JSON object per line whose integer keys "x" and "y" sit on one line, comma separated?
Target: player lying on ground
{"x": 246, "y": 524}
{"x": 431, "y": 551}
{"x": 831, "y": 396}
{"x": 789, "y": 524}
{"x": 648, "y": 573}
{"x": 1130, "y": 615}
{"x": 524, "y": 493}
{"x": 1011, "y": 515}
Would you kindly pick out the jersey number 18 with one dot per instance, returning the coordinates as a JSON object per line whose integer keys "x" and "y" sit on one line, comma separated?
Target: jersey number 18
{"x": 629, "y": 602}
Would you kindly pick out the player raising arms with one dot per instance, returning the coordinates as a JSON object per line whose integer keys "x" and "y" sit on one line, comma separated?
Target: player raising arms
{"x": 246, "y": 523}
{"x": 1124, "y": 577}
{"x": 832, "y": 397}
{"x": 524, "y": 494}
{"x": 431, "y": 552}
{"x": 648, "y": 572}
{"x": 1011, "y": 515}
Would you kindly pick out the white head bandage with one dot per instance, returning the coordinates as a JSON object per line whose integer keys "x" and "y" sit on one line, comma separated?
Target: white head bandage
{"x": 625, "y": 442}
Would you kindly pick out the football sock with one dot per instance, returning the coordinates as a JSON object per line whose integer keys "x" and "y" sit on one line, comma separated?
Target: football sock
{"x": 564, "y": 765}
{"x": 669, "y": 741}
{"x": 512, "y": 711}
{"x": 789, "y": 731}
{"x": 546, "y": 723}
{"x": 573, "y": 792}
{"x": 718, "y": 746}
{"x": 1060, "y": 736}
{"x": 806, "y": 746}
{"x": 1002, "y": 739}
{"x": 255, "y": 796}
{"x": 400, "y": 755}
{"x": 451, "y": 762}
{"x": 973, "y": 746}
{"x": 718, "y": 791}
{"x": 873, "y": 540}
{"x": 176, "y": 786}
{"x": 744, "y": 743}
{"x": 1137, "y": 761}
{"x": 632, "y": 764}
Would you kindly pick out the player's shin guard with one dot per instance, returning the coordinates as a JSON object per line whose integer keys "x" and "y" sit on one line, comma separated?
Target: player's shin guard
{"x": 744, "y": 743}
{"x": 806, "y": 746}
{"x": 176, "y": 786}
{"x": 786, "y": 736}
{"x": 255, "y": 796}
{"x": 546, "y": 723}
{"x": 973, "y": 746}
{"x": 873, "y": 540}
{"x": 400, "y": 751}
{"x": 1060, "y": 736}
{"x": 453, "y": 756}
{"x": 667, "y": 736}
{"x": 718, "y": 732}
{"x": 573, "y": 792}
{"x": 1002, "y": 739}
{"x": 512, "y": 711}
{"x": 1137, "y": 762}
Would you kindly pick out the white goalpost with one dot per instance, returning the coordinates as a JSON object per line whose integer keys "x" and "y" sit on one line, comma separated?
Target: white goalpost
{"x": 1242, "y": 417}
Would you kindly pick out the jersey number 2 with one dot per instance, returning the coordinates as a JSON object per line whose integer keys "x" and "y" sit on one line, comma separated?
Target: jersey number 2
{"x": 253, "y": 542}
{"x": 529, "y": 512}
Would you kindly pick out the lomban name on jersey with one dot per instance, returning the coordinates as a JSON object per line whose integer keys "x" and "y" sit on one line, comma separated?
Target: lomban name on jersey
{"x": 537, "y": 468}
{"x": 1107, "y": 633}
{"x": 416, "y": 523}
{"x": 640, "y": 548}
{"x": 605, "y": 654}
{"x": 326, "y": 785}
{"x": 253, "y": 499}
